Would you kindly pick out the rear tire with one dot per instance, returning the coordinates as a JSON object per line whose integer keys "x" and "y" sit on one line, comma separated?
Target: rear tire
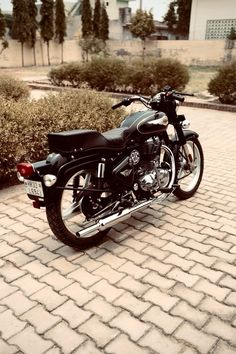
{"x": 188, "y": 180}
{"x": 64, "y": 213}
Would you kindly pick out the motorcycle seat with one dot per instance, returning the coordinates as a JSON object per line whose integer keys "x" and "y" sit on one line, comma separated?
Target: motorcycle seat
{"x": 73, "y": 141}
{"x": 117, "y": 136}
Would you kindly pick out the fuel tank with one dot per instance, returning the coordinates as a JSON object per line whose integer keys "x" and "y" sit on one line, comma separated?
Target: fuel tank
{"x": 146, "y": 122}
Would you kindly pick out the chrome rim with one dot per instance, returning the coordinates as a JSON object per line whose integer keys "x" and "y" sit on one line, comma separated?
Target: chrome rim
{"x": 71, "y": 202}
{"x": 189, "y": 173}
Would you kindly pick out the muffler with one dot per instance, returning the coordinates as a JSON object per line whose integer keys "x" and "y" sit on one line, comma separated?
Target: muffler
{"x": 113, "y": 219}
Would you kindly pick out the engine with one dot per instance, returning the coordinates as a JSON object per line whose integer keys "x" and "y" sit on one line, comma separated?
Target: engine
{"x": 153, "y": 177}
{"x": 152, "y": 173}
{"x": 143, "y": 169}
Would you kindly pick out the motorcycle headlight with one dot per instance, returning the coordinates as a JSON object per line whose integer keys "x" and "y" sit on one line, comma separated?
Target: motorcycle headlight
{"x": 185, "y": 124}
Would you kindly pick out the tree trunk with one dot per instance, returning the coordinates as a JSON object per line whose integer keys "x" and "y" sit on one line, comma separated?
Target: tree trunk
{"x": 34, "y": 55}
{"x": 22, "y": 54}
{"x": 62, "y": 53}
{"x": 144, "y": 48}
{"x": 49, "y": 63}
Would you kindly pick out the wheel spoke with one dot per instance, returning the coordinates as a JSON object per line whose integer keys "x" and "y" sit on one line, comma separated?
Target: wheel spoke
{"x": 188, "y": 176}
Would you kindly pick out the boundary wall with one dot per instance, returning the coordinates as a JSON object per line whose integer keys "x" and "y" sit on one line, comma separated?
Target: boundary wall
{"x": 205, "y": 52}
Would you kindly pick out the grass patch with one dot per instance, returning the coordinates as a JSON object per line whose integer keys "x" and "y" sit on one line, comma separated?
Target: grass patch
{"x": 199, "y": 80}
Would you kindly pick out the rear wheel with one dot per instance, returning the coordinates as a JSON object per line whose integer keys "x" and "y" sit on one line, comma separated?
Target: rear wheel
{"x": 73, "y": 209}
{"x": 190, "y": 167}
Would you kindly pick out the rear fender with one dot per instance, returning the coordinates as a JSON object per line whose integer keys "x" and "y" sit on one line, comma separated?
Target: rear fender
{"x": 66, "y": 170}
{"x": 75, "y": 165}
{"x": 44, "y": 167}
{"x": 50, "y": 165}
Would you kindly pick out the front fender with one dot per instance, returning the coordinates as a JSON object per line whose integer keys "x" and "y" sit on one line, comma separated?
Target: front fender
{"x": 187, "y": 134}
{"x": 190, "y": 134}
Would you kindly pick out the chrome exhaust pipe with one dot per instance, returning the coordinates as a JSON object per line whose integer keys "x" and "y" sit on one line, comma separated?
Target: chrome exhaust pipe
{"x": 113, "y": 219}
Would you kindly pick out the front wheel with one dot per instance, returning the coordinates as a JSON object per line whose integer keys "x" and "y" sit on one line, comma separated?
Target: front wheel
{"x": 73, "y": 209}
{"x": 190, "y": 165}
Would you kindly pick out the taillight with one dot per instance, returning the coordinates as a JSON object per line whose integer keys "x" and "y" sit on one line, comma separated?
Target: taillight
{"x": 25, "y": 169}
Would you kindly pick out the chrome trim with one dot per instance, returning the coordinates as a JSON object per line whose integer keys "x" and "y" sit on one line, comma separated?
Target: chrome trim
{"x": 101, "y": 170}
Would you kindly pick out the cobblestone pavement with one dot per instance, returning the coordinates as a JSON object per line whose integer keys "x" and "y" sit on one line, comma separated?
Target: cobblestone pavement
{"x": 162, "y": 282}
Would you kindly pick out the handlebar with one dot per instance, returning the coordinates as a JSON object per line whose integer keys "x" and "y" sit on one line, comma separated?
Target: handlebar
{"x": 117, "y": 105}
{"x": 165, "y": 95}
{"x": 127, "y": 101}
{"x": 178, "y": 97}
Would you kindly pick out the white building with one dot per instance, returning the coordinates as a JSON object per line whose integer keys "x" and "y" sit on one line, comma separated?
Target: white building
{"x": 212, "y": 19}
{"x": 112, "y": 6}
{"x": 118, "y": 12}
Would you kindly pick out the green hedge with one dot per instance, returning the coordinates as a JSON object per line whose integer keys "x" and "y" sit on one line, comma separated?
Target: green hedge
{"x": 11, "y": 88}
{"x": 24, "y": 125}
{"x": 112, "y": 74}
{"x": 223, "y": 85}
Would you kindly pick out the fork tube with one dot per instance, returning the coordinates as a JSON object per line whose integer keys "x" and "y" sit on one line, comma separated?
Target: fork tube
{"x": 101, "y": 173}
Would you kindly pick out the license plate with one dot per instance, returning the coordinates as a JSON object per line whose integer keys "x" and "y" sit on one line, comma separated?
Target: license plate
{"x": 34, "y": 188}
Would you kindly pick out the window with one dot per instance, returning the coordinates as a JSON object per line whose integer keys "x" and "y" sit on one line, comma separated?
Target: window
{"x": 219, "y": 29}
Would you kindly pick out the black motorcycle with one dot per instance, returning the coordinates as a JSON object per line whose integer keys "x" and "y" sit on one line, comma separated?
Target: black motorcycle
{"x": 92, "y": 181}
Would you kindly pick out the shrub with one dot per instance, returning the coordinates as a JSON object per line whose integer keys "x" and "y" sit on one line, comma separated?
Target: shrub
{"x": 100, "y": 74}
{"x": 169, "y": 72}
{"x": 24, "y": 125}
{"x": 67, "y": 74}
{"x": 112, "y": 74}
{"x": 138, "y": 78}
{"x": 151, "y": 76}
{"x": 223, "y": 85}
{"x": 11, "y": 88}
{"x": 104, "y": 73}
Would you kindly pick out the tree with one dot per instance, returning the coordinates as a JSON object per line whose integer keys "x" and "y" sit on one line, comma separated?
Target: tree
{"x": 21, "y": 24}
{"x": 33, "y": 25}
{"x": 2, "y": 32}
{"x": 104, "y": 25}
{"x": 97, "y": 19}
{"x": 170, "y": 17}
{"x": 60, "y": 24}
{"x": 94, "y": 31}
{"x": 86, "y": 42}
{"x": 183, "y": 14}
{"x": 46, "y": 23}
{"x": 142, "y": 26}
{"x": 232, "y": 35}
{"x": 178, "y": 17}
{"x": 86, "y": 18}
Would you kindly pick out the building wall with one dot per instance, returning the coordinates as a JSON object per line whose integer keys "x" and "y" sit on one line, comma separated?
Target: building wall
{"x": 188, "y": 52}
{"x": 203, "y": 10}
{"x": 113, "y": 6}
{"x": 115, "y": 26}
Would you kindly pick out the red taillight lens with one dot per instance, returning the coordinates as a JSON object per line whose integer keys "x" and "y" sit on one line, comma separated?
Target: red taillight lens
{"x": 25, "y": 169}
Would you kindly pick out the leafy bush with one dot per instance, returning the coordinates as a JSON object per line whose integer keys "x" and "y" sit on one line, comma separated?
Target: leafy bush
{"x": 24, "y": 125}
{"x": 100, "y": 74}
{"x": 223, "y": 85}
{"x": 68, "y": 74}
{"x": 112, "y": 74}
{"x": 169, "y": 72}
{"x": 104, "y": 74}
{"x": 138, "y": 78}
{"x": 153, "y": 75}
{"x": 11, "y": 88}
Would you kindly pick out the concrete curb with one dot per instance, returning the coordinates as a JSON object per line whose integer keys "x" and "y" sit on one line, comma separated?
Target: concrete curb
{"x": 200, "y": 104}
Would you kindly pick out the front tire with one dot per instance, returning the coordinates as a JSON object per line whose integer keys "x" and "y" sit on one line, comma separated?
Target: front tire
{"x": 189, "y": 175}
{"x": 65, "y": 213}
